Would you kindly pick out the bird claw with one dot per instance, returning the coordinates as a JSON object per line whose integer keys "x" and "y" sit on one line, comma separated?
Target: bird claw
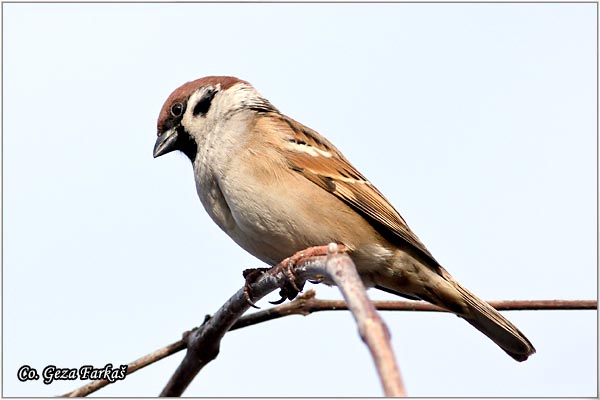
{"x": 249, "y": 299}
{"x": 319, "y": 279}
{"x": 281, "y": 300}
{"x": 288, "y": 270}
{"x": 289, "y": 287}
{"x": 251, "y": 275}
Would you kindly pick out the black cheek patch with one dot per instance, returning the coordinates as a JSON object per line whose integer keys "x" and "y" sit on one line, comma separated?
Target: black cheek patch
{"x": 203, "y": 105}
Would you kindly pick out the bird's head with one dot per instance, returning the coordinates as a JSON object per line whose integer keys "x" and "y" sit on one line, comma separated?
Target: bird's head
{"x": 195, "y": 109}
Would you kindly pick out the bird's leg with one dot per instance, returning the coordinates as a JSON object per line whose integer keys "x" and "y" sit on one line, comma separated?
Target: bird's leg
{"x": 290, "y": 285}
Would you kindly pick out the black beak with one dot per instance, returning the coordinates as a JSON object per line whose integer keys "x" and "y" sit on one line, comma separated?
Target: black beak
{"x": 165, "y": 143}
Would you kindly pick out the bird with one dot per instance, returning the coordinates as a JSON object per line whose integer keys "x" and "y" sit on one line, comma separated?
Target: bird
{"x": 277, "y": 187}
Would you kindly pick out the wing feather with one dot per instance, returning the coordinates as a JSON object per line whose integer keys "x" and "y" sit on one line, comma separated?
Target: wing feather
{"x": 312, "y": 156}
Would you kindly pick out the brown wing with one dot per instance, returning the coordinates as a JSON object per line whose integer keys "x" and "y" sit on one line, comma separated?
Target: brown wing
{"x": 319, "y": 161}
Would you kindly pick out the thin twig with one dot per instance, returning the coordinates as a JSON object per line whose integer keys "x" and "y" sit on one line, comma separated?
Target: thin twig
{"x": 131, "y": 368}
{"x": 307, "y": 304}
{"x": 371, "y": 327}
{"x": 203, "y": 343}
{"x": 336, "y": 267}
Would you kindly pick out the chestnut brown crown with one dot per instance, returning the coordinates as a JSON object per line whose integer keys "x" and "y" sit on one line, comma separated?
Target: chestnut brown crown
{"x": 183, "y": 92}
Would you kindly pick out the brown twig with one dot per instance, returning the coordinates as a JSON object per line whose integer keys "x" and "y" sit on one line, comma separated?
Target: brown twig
{"x": 307, "y": 304}
{"x": 131, "y": 368}
{"x": 336, "y": 267}
{"x": 203, "y": 343}
{"x": 371, "y": 327}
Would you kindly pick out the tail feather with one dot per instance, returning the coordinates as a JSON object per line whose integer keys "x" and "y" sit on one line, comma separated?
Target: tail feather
{"x": 492, "y": 324}
{"x": 447, "y": 293}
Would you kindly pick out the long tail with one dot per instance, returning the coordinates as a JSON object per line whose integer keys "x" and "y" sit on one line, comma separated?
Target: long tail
{"x": 492, "y": 324}
{"x": 451, "y": 295}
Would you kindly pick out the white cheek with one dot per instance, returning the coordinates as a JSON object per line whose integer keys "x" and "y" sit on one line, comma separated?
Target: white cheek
{"x": 187, "y": 118}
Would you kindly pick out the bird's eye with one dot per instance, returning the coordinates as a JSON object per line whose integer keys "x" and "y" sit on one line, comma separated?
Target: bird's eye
{"x": 177, "y": 109}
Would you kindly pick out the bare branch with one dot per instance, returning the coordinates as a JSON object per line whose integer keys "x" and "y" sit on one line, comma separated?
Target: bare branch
{"x": 307, "y": 303}
{"x": 371, "y": 327}
{"x": 131, "y": 368}
{"x": 203, "y": 344}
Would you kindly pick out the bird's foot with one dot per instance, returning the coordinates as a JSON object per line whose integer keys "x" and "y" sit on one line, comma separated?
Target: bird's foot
{"x": 290, "y": 284}
{"x": 251, "y": 275}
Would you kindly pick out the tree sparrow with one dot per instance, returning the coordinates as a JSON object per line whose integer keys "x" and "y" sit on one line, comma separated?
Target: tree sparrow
{"x": 277, "y": 187}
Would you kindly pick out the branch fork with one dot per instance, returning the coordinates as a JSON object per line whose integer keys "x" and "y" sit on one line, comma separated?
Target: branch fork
{"x": 315, "y": 263}
{"x": 322, "y": 263}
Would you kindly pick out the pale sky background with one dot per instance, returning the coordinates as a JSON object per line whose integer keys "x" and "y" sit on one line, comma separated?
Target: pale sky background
{"x": 477, "y": 121}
